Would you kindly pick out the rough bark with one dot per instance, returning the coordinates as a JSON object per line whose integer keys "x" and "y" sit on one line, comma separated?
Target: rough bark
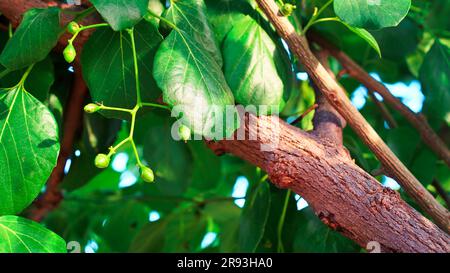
{"x": 338, "y": 99}
{"x": 342, "y": 195}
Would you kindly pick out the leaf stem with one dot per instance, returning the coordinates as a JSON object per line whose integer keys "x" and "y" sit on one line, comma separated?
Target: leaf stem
{"x": 82, "y": 28}
{"x": 148, "y": 104}
{"x": 168, "y": 22}
{"x": 281, "y": 222}
{"x": 25, "y": 75}
{"x": 102, "y": 107}
{"x": 136, "y": 67}
{"x": 316, "y": 15}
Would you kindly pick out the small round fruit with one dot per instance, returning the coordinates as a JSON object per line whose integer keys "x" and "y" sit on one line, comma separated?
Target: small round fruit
{"x": 102, "y": 161}
{"x": 69, "y": 53}
{"x": 147, "y": 174}
{"x": 287, "y": 9}
{"x": 73, "y": 28}
{"x": 91, "y": 108}
{"x": 184, "y": 132}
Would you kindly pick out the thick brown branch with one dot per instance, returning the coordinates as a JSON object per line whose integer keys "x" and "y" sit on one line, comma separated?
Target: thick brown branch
{"x": 338, "y": 99}
{"x": 342, "y": 195}
{"x": 72, "y": 121}
{"x": 417, "y": 120}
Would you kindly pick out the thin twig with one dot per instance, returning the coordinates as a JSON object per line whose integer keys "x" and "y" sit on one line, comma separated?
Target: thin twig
{"x": 383, "y": 110}
{"x": 304, "y": 114}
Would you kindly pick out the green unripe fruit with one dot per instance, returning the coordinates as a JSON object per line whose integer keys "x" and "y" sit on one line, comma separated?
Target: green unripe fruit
{"x": 287, "y": 9}
{"x": 91, "y": 108}
{"x": 73, "y": 28}
{"x": 184, "y": 132}
{"x": 69, "y": 53}
{"x": 102, "y": 161}
{"x": 147, "y": 174}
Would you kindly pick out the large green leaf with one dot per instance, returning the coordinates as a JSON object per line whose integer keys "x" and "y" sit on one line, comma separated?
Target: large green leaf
{"x": 372, "y": 14}
{"x": 188, "y": 69}
{"x": 255, "y": 67}
{"x": 223, "y": 15}
{"x": 28, "y": 148}
{"x": 121, "y": 14}
{"x": 435, "y": 79}
{"x": 254, "y": 218}
{"x": 20, "y": 235}
{"x": 108, "y": 66}
{"x": 33, "y": 40}
{"x": 364, "y": 34}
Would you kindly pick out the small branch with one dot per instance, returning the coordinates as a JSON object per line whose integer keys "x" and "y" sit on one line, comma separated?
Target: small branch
{"x": 417, "y": 120}
{"x": 339, "y": 100}
{"x": 72, "y": 122}
{"x": 383, "y": 109}
{"x": 304, "y": 114}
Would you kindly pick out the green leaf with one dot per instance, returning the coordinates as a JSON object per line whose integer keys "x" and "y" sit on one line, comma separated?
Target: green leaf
{"x": 254, "y": 66}
{"x": 169, "y": 159}
{"x": 127, "y": 220}
{"x": 108, "y": 66}
{"x": 435, "y": 79}
{"x": 188, "y": 69}
{"x": 20, "y": 235}
{"x": 372, "y": 14}
{"x": 364, "y": 34}
{"x": 254, "y": 218}
{"x": 223, "y": 15}
{"x": 33, "y": 40}
{"x": 29, "y": 148}
{"x": 397, "y": 42}
{"x": 121, "y": 14}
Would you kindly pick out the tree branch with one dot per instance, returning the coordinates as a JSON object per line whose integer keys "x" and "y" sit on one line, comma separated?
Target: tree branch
{"x": 52, "y": 196}
{"x": 344, "y": 196}
{"x": 416, "y": 120}
{"x": 338, "y": 99}
{"x": 383, "y": 109}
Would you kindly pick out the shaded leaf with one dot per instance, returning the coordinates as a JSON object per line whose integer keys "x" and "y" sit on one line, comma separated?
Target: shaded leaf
{"x": 255, "y": 67}
{"x": 108, "y": 66}
{"x": 33, "y": 40}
